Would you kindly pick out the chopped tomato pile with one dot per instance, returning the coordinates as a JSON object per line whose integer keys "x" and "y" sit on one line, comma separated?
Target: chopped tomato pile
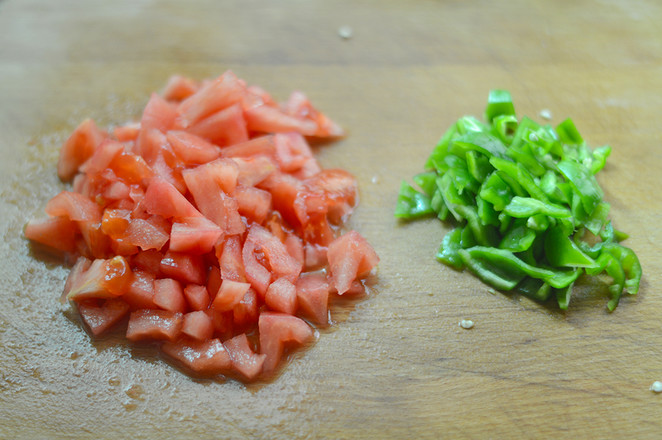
{"x": 210, "y": 224}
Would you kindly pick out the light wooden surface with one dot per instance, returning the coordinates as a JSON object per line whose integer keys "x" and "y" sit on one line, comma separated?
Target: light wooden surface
{"x": 397, "y": 365}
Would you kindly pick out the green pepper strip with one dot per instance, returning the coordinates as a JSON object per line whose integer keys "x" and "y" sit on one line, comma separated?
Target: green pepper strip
{"x": 584, "y": 184}
{"x": 412, "y": 204}
{"x": 502, "y": 267}
{"x": 521, "y": 207}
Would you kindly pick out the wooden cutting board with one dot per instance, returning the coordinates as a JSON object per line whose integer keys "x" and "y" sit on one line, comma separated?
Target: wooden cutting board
{"x": 396, "y": 365}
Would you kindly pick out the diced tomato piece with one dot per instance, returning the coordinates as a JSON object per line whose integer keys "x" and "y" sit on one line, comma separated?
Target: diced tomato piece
{"x": 121, "y": 247}
{"x": 253, "y": 203}
{"x": 168, "y": 295}
{"x": 102, "y": 157}
{"x": 225, "y": 127}
{"x": 198, "y": 325}
{"x": 150, "y": 233}
{"x": 196, "y": 235}
{"x": 258, "y": 275}
{"x": 267, "y": 119}
{"x": 197, "y": 297}
{"x": 278, "y": 330}
{"x": 350, "y": 256}
{"x": 152, "y": 324}
{"x": 81, "y": 266}
{"x": 280, "y": 261}
{"x": 309, "y": 169}
{"x": 139, "y": 294}
{"x": 170, "y": 172}
{"x": 210, "y": 185}
{"x": 223, "y": 323}
{"x": 246, "y": 312}
{"x": 179, "y": 88}
{"x": 281, "y": 296}
{"x": 299, "y": 106}
{"x": 357, "y": 289}
{"x": 126, "y": 133}
{"x": 102, "y": 316}
{"x": 220, "y": 174}
{"x": 256, "y": 96}
{"x": 276, "y": 226}
{"x": 149, "y": 144}
{"x": 230, "y": 260}
{"x": 189, "y": 269}
{"x": 115, "y": 222}
{"x": 131, "y": 168}
{"x": 229, "y": 295}
{"x": 56, "y": 232}
{"x": 162, "y": 198}
{"x": 208, "y": 357}
{"x": 158, "y": 114}
{"x": 244, "y": 360}
{"x": 212, "y": 97}
{"x": 78, "y": 148}
{"x": 295, "y": 248}
{"x": 98, "y": 244}
{"x": 192, "y": 149}
{"x": 149, "y": 261}
{"x": 258, "y": 146}
{"x": 116, "y": 191}
{"x": 254, "y": 170}
{"x": 331, "y": 193}
{"x": 284, "y": 189}
{"x": 74, "y": 206}
{"x": 315, "y": 256}
{"x": 312, "y": 292}
{"x": 103, "y": 279}
{"x": 292, "y": 151}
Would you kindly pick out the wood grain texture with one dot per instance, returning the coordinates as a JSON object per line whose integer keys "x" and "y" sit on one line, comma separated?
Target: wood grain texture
{"x": 397, "y": 365}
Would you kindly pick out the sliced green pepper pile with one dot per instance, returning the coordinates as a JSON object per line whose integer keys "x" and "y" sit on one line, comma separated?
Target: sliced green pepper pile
{"x": 528, "y": 212}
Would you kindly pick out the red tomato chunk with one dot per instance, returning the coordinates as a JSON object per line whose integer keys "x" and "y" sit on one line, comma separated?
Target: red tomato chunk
{"x": 210, "y": 224}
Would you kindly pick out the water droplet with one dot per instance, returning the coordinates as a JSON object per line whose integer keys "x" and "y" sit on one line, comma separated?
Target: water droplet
{"x": 345, "y": 32}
